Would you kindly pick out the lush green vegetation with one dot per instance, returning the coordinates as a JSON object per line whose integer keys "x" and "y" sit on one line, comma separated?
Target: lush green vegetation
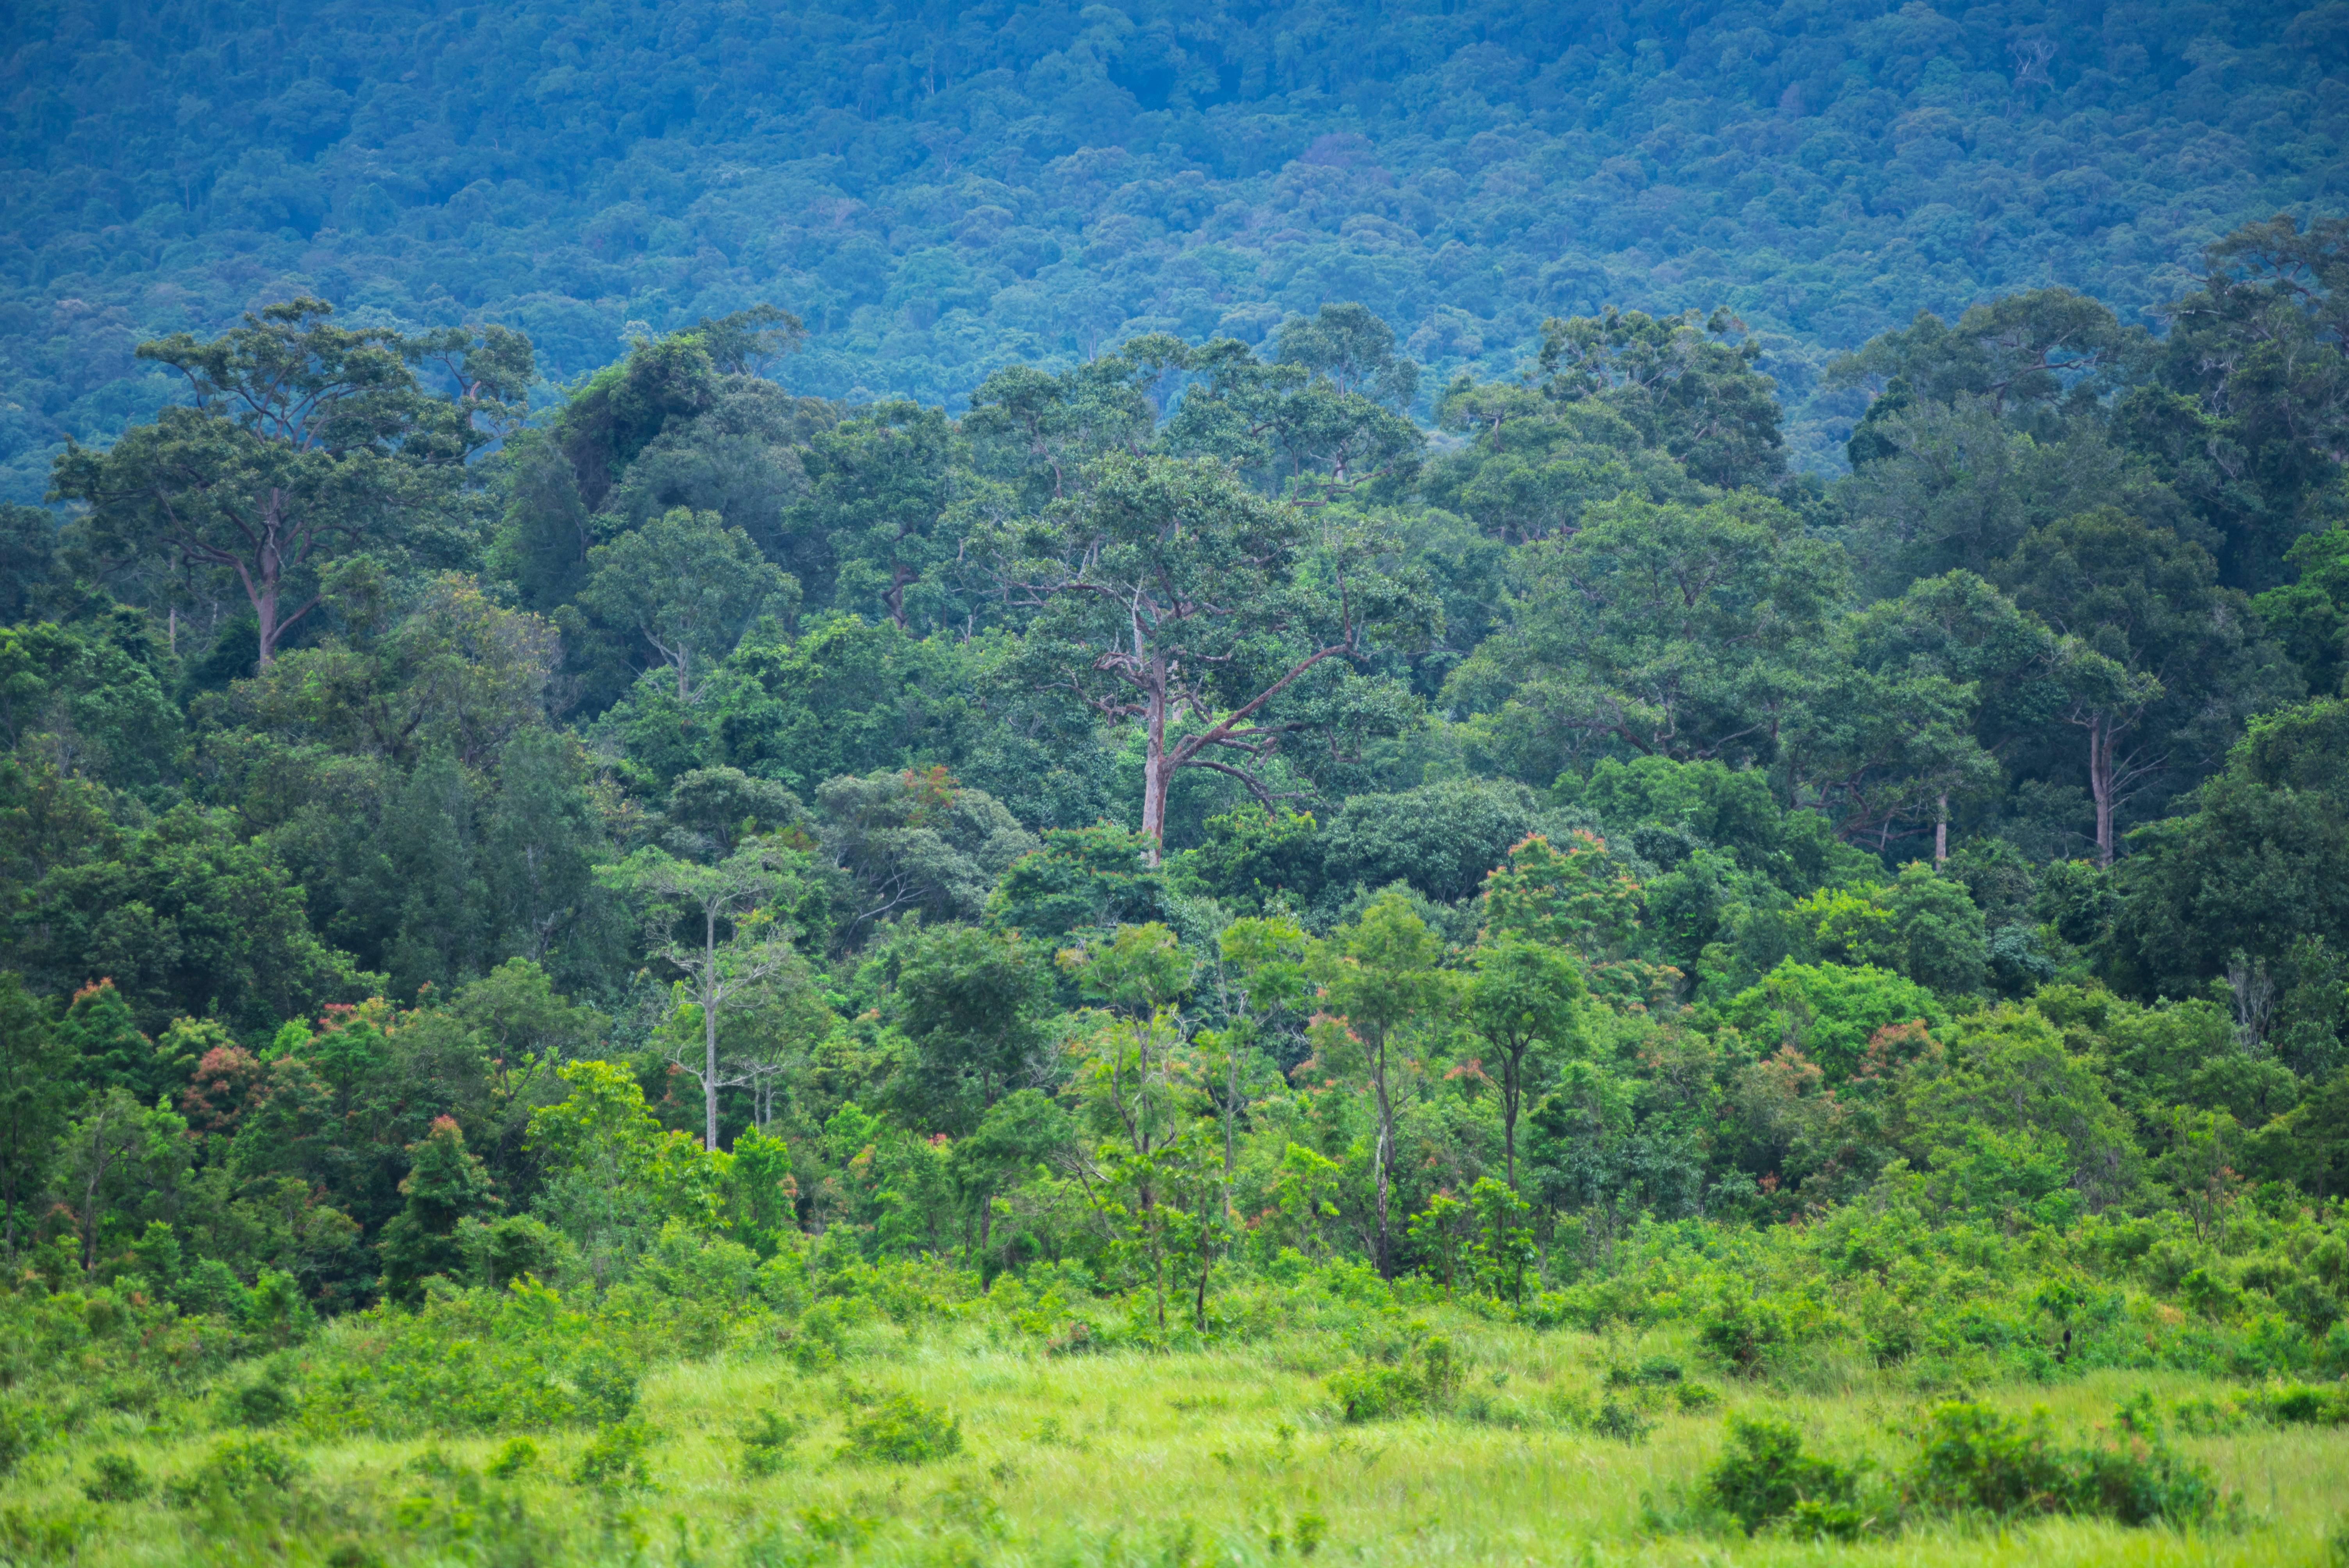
{"x": 1254, "y": 941}
{"x": 940, "y": 190}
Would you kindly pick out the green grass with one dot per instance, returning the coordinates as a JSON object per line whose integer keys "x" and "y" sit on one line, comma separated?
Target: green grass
{"x": 1169, "y": 1461}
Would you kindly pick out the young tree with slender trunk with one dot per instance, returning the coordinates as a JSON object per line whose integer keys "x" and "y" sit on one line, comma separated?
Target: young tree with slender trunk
{"x": 1382, "y": 975}
{"x": 1522, "y": 997}
{"x": 1260, "y": 970}
{"x": 718, "y": 926}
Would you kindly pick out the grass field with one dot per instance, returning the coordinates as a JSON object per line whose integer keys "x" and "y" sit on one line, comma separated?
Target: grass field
{"x": 1173, "y": 1460}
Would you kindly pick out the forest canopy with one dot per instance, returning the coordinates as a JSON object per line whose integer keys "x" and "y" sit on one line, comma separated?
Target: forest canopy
{"x": 799, "y": 749}
{"x": 937, "y": 191}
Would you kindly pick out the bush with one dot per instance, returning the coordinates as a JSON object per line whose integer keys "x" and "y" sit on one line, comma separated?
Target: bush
{"x": 1377, "y": 1391}
{"x": 265, "y": 1402}
{"x": 615, "y": 1458}
{"x": 1655, "y": 1372}
{"x": 1373, "y": 1392}
{"x": 16, "y": 1436}
{"x": 116, "y": 1478}
{"x": 2299, "y": 1405}
{"x": 54, "y": 1535}
{"x": 1744, "y": 1331}
{"x": 767, "y": 1442}
{"x": 1696, "y": 1397}
{"x": 519, "y": 1454}
{"x": 240, "y": 1470}
{"x": 2140, "y": 1482}
{"x": 1624, "y": 1423}
{"x": 1975, "y": 1459}
{"x": 902, "y": 1430}
{"x": 1764, "y": 1477}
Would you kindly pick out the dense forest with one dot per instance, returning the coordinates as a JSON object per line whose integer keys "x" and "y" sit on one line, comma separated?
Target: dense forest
{"x": 1310, "y": 854}
{"x": 939, "y": 190}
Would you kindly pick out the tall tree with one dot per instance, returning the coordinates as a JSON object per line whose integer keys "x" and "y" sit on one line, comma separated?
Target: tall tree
{"x": 687, "y": 586}
{"x": 1687, "y": 388}
{"x": 35, "y": 1075}
{"x": 307, "y": 444}
{"x": 882, "y": 488}
{"x": 1173, "y": 596}
{"x": 2251, "y": 412}
{"x": 973, "y": 1003}
{"x": 2162, "y": 665}
{"x": 1672, "y": 631}
{"x": 721, "y": 928}
{"x": 1259, "y": 971}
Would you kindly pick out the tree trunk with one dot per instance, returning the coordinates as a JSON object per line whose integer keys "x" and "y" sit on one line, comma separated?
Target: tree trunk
{"x": 1509, "y": 1113}
{"x": 1231, "y": 1114}
{"x": 264, "y": 619}
{"x": 2100, "y": 785}
{"x": 709, "y": 1032}
{"x": 1155, "y": 773}
{"x": 1386, "y": 1145}
{"x": 262, "y": 584}
{"x": 1942, "y": 832}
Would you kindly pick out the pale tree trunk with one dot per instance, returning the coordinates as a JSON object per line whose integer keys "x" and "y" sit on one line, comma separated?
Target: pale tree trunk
{"x": 2100, "y": 785}
{"x": 1941, "y": 833}
{"x": 1157, "y": 772}
{"x": 709, "y": 1031}
{"x": 263, "y": 582}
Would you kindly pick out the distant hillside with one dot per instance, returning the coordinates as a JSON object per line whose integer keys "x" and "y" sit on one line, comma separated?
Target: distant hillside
{"x": 938, "y": 188}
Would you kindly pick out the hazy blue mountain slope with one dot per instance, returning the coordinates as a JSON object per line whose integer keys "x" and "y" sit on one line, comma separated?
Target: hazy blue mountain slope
{"x": 937, "y": 189}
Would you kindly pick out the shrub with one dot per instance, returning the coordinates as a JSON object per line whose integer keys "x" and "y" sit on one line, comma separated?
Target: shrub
{"x": 767, "y": 1442}
{"x": 1743, "y": 1331}
{"x": 54, "y": 1535}
{"x": 1974, "y": 1457}
{"x": 116, "y": 1478}
{"x": 16, "y": 1436}
{"x": 1624, "y": 1423}
{"x": 277, "y": 1313}
{"x": 264, "y": 1402}
{"x": 2299, "y": 1404}
{"x": 615, "y": 1458}
{"x": 902, "y": 1430}
{"x": 238, "y": 1470}
{"x": 1655, "y": 1372}
{"x": 1695, "y": 1397}
{"x": 2141, "y": 1482}
{"x": 519, "y": 1455}
{"x": 1764, "y": 1475}
{"x": 607, "y": 1384}
{"x": 1373, "y": 1392}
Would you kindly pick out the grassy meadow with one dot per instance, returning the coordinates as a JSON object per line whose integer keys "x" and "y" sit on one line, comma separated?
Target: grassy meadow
{"x": 1220, "y": 1455}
